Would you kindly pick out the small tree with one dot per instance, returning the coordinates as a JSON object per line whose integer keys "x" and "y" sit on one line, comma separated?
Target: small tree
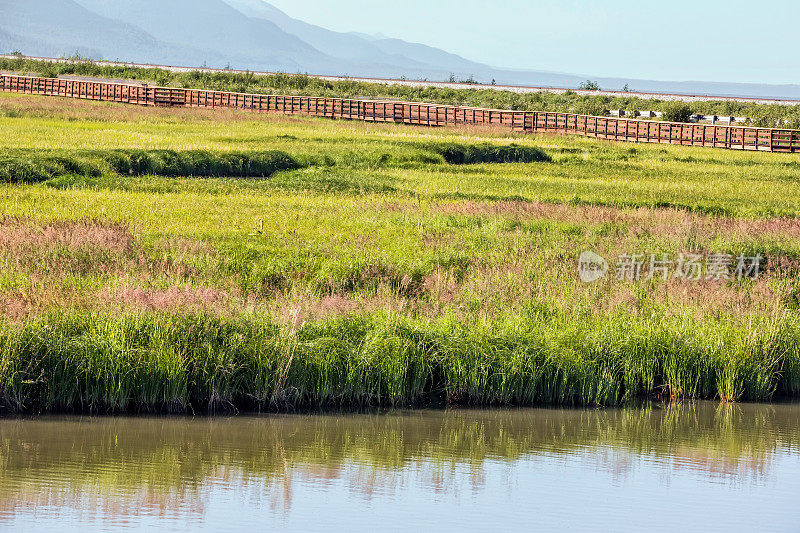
{"x": 589, "y": 85}
{"x": 677, "y": 112}
{"x": 592, "y": 105}
{"x": 49, "y": 70}
{"x": 793, "y": 120}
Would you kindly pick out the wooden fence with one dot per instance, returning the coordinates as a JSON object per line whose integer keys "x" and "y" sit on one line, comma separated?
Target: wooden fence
{"x": 618, "y": 129}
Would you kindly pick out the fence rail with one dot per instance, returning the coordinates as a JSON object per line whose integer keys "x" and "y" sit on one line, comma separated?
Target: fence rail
{"x": 618, "y": 129}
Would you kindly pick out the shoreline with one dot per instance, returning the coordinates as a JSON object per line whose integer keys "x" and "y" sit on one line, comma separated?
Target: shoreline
{"x": 639, "y": 405}
{"x": 518, "y": 89}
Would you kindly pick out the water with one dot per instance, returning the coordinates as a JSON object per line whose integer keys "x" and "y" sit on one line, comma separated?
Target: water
{"x": 699, "y": 467}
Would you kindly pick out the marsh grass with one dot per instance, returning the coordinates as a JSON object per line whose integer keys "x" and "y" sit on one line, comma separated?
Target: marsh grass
{"x": 354, "y": 158}
{"x": 375, "y": 265}
{"x": 465, "y": 154}
{"x": 31, "y": 166}
{"x": 64, "y": 167}
{"x": 178, "y": 363}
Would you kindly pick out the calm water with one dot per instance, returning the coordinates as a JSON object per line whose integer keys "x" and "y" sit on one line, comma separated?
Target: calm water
{"x": 693, "y": 467}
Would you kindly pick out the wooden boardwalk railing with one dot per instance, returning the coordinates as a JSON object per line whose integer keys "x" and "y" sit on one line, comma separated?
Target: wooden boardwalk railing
{"x": 618, "y": 129}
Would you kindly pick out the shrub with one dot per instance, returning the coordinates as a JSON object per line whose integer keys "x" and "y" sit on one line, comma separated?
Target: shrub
{"x": 677, "y": 112}
{"x": 594, "y": 106}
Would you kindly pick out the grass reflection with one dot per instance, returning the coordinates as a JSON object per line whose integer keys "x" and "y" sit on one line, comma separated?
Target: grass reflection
{"x": 169, "y": 466}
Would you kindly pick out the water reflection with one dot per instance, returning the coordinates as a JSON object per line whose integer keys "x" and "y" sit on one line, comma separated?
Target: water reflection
{"x": 123, "y": 472}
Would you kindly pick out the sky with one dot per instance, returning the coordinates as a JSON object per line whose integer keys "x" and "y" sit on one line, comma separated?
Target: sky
{"x": 711, "y": 40}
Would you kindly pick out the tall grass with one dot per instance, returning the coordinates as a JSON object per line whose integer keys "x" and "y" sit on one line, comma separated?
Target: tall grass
{"x": 472, "y": 154}
{"x": 179, "y": 363}
{"x": 31, "y": 166}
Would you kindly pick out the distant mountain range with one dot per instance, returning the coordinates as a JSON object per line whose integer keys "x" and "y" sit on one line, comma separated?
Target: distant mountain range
{"x": 253, "y": 34}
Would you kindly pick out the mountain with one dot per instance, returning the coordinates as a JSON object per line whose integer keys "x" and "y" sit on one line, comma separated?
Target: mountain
{"x": 379, "y": 56}
{"x": 358, "y": 48}
{"x": 215, "y": 26}
{"x": 336, "y": 44}
{"x": 63, "y": 27}
{"x": 255, "y": 35}
{"x": 11, "y": 42}
{"x": 427, "y": 54}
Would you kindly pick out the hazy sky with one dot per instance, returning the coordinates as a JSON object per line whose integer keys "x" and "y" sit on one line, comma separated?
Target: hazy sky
{"x": 716, "y": 40}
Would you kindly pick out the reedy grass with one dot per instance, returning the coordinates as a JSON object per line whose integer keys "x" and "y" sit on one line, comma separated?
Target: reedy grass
{"x": 58, "y": 166}
{"x": 31, "y": 166}
{"x": 178, "y": 363}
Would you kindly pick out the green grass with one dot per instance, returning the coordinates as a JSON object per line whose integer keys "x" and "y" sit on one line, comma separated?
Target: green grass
{"x": 177, "y": 260}
{"x": 31, "y": 166}
{"x": 174, "y": 363}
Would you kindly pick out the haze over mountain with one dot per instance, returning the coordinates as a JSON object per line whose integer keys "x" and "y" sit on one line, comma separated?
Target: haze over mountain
{"x": 253, "y": 34}
{"x": 360, "y": 47}
{"x": 62, "y": 27}
{"x": 214, "y": 25}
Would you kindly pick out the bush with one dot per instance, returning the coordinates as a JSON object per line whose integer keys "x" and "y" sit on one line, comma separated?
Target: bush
{"x": 594, "y": 106}
{"x": 677, "y": 112}
{"x": 48, "y": 71}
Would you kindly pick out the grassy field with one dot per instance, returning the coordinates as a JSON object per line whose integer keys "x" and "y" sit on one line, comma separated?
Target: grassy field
{"x": 184, "y": 259}
{"x": 761, "y": 115}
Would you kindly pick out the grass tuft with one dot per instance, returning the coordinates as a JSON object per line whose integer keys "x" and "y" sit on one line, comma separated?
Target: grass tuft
{"x": 32, "y": 166}
{"x": 471, "y": 154}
